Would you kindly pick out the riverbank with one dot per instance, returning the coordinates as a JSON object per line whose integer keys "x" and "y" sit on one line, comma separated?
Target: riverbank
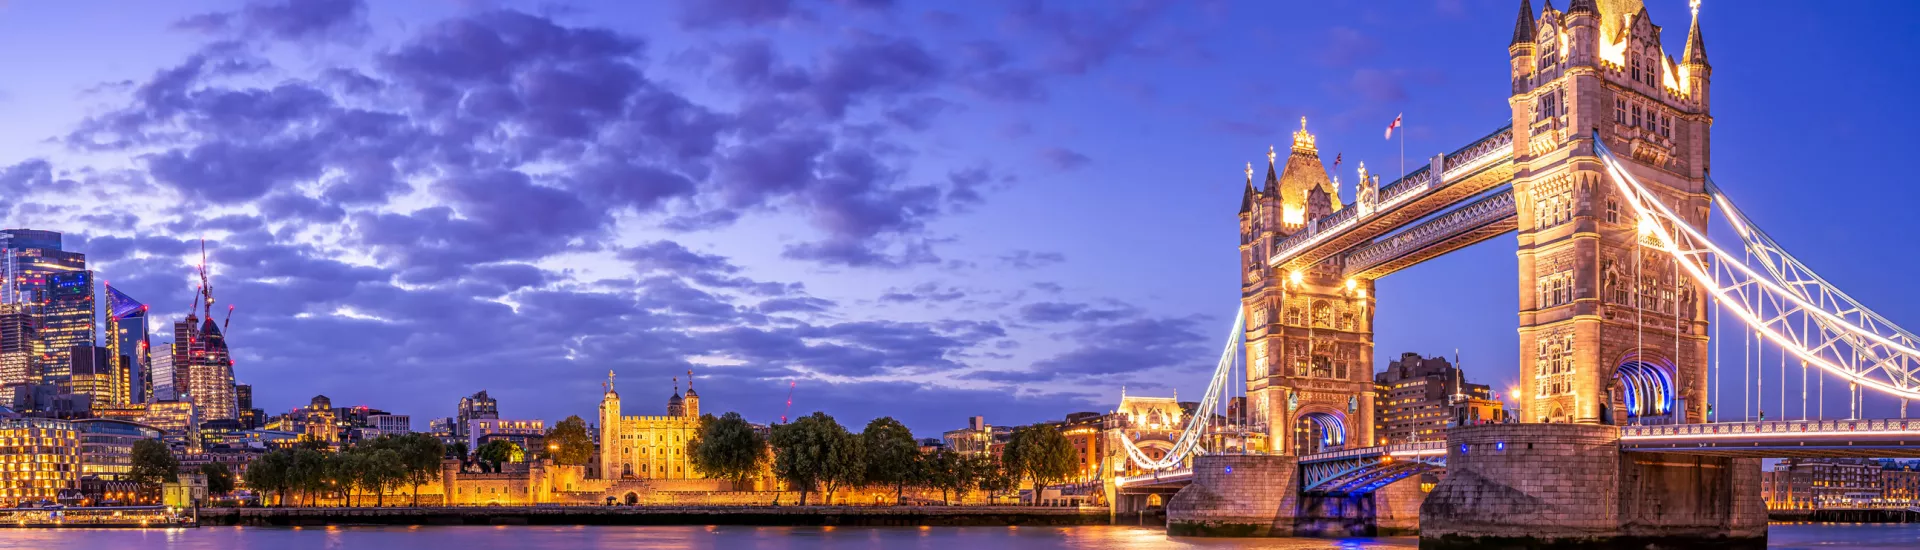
{"x": 864, "y": 516}
{"x": 1843, "y": 515}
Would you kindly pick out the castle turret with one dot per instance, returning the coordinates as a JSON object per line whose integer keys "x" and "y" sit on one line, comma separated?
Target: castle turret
{"x": 692, "y": 403}
{"x": 610, "y": 464}
{"x": 676, "y": 405}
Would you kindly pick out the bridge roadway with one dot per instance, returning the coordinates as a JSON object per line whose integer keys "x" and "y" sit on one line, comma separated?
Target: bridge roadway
{"x": 1363, "y": 470}
{"x": 1370, "y": 239}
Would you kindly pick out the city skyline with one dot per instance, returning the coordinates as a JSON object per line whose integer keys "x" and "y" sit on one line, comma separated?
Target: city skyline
{"x": 920, "y": 272}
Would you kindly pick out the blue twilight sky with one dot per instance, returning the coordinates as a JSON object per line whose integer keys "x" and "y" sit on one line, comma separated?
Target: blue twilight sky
{"x": 918, "y": 209}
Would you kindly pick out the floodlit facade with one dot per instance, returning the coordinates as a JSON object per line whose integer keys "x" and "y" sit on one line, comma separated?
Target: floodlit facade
{"x": 106, "y": 446}
{"x": 648, "y": 447}
{"x": 39, "y": 458}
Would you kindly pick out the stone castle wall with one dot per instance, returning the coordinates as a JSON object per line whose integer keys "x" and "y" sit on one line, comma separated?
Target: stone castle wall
{"x": 1551, "y": 481}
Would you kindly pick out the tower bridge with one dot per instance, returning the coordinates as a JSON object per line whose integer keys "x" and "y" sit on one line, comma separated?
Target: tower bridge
{"x": 1601, "y": 176}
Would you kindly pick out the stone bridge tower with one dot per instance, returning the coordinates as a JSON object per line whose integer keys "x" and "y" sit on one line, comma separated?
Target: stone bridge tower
{"x": 1606, "y": 320}
{"x": 1309, "y": 333}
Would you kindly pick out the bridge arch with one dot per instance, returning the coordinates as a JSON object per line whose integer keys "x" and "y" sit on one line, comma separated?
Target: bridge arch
{"x": 1642, "y": 389}
{"x": 1319, "y": 429}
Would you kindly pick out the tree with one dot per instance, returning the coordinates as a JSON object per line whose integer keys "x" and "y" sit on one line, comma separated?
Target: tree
{"x": 572, "y": 446}
{"x": 270, "y": 473}
{"x": 308, "y": 473}
{"x": 816, "y": 451}
{"x": 219, "y": 479}
{"x": 951, "y": 472}
{"x": 994, "y": 476}
{"x": 892, "y": 457}
{"x": 379, "y": 470}
{"x": 420, "y": 454}
{"x": 499, "y": 451}
{"x": 153, "y": 464}
{"x": 727, "y": 447}
{"x": 342, "y": 473}
{"x": 1039, "y": 452}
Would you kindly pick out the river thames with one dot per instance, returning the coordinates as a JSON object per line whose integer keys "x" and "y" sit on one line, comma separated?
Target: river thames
{"x": 1832, "y": 536}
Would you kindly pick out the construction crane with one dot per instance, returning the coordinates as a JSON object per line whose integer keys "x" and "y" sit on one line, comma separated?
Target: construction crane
{"x": 229, "y": 320}
{"x": 789, "y": 409}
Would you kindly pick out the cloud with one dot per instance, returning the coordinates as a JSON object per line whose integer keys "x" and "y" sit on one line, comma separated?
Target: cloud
{"x": 1062, "y": 158}
{"x": 290, "y": 20}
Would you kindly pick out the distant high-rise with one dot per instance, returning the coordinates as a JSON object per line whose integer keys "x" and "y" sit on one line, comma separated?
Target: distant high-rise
{"x": 1419, "y": 397}
{"x": 57, "y": 289}
{"x": 475, "y": 407}
{"x": 18, "y": 364}
{"x": 97, "y": 375}
{"x": 210, "y": 378}
{"x": 127, "y": 339}
{"x": 165, "y": 387}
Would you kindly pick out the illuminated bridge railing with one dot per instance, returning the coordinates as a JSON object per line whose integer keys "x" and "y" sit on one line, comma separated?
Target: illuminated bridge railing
{"x": 1179, "y": 476}
{"x": 1482, "y": 153}
{"x": 1780, "y": 438}
{"x": 1452, "y": 224}
{"x": 1365, "y": 469}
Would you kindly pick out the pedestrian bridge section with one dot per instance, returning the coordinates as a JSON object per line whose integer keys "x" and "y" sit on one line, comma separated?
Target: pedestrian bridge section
{"x": 1896, "y": 438}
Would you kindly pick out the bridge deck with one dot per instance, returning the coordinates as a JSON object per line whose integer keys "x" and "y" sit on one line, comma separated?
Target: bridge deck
{"x": 1893, "y": 438}
{"x": 1481, "y": 166}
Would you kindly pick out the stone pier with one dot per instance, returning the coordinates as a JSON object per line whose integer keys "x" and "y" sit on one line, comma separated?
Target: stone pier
{"x": 1237, "y": 496}
{"x": 1568, "y": 485}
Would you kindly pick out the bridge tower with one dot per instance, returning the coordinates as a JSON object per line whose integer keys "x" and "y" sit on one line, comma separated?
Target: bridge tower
{"x": 1309, "y": 332}
{"x": 1609, "y": 329}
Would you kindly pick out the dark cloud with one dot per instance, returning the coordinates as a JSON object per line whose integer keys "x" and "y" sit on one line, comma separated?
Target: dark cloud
{"x": 1060, "y": 312}
{"x": 923, "y": 292}
{"x": 702, "y": 14}
{"x": 291, "y": 20}
{"x": 1132, "y": 346}
{"x": 1062, "y": 158}
{"x": 1028, "y": 259}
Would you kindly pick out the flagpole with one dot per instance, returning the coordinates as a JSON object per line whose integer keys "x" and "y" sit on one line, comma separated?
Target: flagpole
{"x": 1403, "y": 152}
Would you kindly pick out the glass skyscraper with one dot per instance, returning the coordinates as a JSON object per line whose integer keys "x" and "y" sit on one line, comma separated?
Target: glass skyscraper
{"x": 127, "y": 338}
{"x": 57, "y": 289}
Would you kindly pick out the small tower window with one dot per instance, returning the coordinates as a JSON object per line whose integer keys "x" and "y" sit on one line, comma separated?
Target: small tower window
{"x": 1619, "y": 111}
{"x": 1635, "y": 111}
{"x": 1613, "y": 210}
{"x": 1635, "y": 65}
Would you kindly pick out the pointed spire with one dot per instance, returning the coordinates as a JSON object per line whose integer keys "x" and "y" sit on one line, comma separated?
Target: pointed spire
{"x": 1582, "y": 6}
{"x": 1523, "y": 29}
{"x": 1272, "y": 185}
{"x": 1696, "y": 52}
{"x": 1246, "y": 201}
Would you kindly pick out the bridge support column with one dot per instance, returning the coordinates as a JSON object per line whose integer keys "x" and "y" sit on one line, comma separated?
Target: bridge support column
{"x": 1237, "y": 496}
{"x": 1569, "y": 485}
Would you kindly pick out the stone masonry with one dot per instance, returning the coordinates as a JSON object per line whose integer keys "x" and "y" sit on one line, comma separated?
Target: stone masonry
{"x": 1237, "y": 496}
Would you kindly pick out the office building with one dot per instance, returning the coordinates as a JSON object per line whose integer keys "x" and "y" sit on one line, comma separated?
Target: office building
{"x": 58, "y": 291}
{"x": 178, "y": 422}
{"x": 97, "y": 375}
{"x": 106, "y": 446}
{"x": 19, "y": 362}
{"x": 528, "y": 434}
{"x": 474, "y": 407}
{"x": 1420, "y": 397}
{"x": 251, "y": 417}
{"x": 39, "y": 460}
{"x": 162, "y": 376}
{"x": 127, "y": 339}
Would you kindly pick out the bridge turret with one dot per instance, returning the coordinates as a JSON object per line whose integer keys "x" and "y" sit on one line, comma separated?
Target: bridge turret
{"x": 1521, "y": 48}
{"x": 1694, "y": 58}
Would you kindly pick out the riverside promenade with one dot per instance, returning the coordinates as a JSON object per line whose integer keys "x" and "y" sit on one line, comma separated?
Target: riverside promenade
{"x": 865, "y": 516}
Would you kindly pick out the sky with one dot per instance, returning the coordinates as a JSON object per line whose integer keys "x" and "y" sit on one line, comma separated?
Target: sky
{"x": 924, "y": 210}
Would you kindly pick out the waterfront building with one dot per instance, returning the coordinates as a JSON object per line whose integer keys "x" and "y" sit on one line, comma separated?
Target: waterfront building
{"x": 1152, "y": 423}
{"x": 1900, "y": 483}
{"x": 58, "y": 290}
{"x": 127, "y": 341}
{"x": 1421, "y": 397}
{"x": 1814, "y": 483}
{"x": 39, "y": 460}
{"x": 474, "y": 407}
{"x": 1086, "y": 431}
{"x": 648, "y": 447}
{"x": 106, "y": 446}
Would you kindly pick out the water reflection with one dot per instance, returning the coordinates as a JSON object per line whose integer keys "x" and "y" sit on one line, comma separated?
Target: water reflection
{"x": 792, "y": 538}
